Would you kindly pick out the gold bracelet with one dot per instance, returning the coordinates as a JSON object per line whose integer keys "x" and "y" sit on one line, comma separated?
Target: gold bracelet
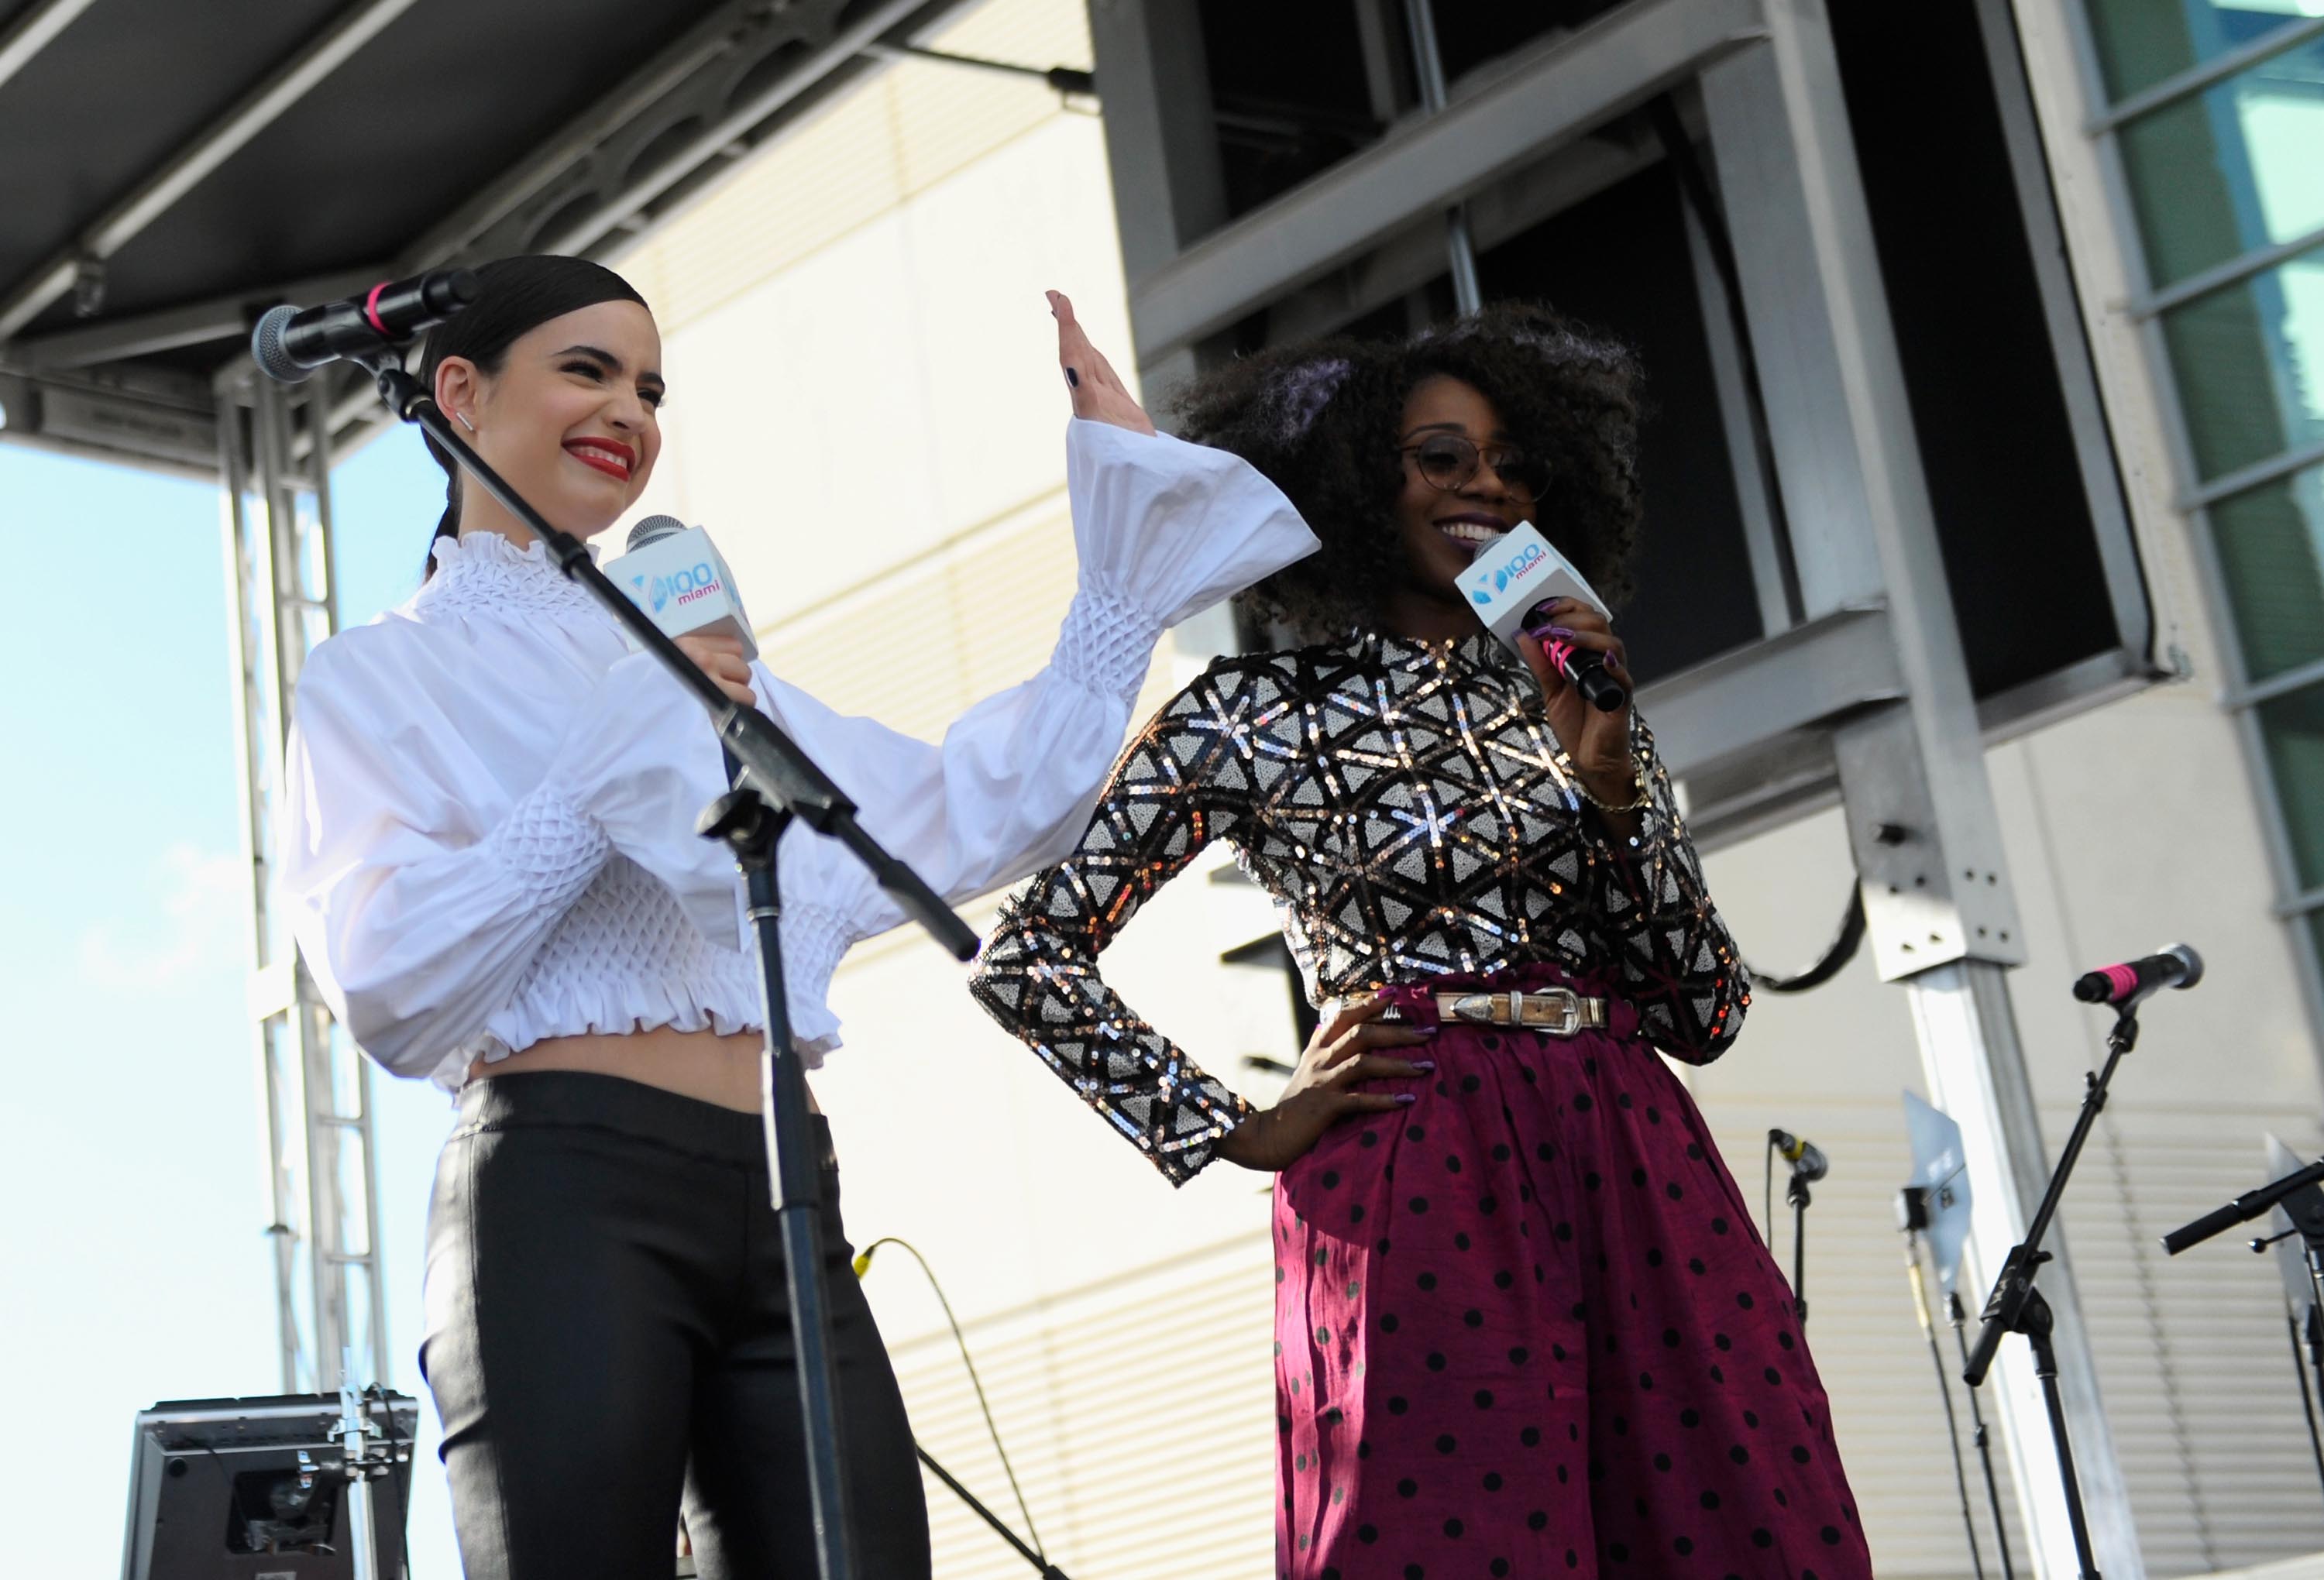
{"x": 1638, "y": 772}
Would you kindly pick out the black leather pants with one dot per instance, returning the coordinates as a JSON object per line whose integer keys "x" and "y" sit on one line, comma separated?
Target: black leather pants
{"x": 609, "y": 1333}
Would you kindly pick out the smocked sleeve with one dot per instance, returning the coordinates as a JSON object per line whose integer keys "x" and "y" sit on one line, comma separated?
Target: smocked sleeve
{"x": 1678, "y": 963}
{"x": 1162, "y": 528}
{"x": 1184, "y": 782}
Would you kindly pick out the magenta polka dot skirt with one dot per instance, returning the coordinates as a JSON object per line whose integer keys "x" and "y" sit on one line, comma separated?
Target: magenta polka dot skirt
{"x": 1526, "y": 1328}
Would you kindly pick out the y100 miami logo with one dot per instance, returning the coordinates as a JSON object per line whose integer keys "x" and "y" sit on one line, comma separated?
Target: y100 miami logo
{"x": 1519, "y": 566}
{"x": 678, "y": 587}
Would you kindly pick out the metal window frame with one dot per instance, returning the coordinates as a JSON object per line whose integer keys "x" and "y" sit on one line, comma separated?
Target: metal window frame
{"x": 2194, "y": 501}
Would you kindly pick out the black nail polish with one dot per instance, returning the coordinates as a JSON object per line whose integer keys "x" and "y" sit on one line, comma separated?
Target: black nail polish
{"x": 1073, "y": 379}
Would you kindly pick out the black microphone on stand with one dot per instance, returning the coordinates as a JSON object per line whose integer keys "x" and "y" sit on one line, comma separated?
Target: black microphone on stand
{"x": 2125, "y": 985}
{"x": 1806, "y": 1157}
{"x": 290, "y": 342}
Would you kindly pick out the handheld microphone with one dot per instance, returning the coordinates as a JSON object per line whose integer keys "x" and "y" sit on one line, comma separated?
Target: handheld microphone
{"x": 1806, "y": 1157}
{"x": 1507, "y": 583}
{"x": 674, "y": 573}
{"x": 290, "y": 342}
{"x": 2125, "y": 985}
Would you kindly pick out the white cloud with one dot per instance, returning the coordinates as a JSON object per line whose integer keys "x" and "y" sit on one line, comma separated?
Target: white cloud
{"x": 190, "y": 923}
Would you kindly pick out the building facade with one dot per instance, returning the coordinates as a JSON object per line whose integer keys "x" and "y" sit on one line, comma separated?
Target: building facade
{"x": 869, "y": 417}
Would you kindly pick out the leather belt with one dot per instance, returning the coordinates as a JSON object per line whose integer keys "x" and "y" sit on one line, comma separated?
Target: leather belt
{"x": 1556, "y": 1012}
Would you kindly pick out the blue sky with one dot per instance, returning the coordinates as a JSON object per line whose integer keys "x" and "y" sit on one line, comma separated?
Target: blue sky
{"x": 133, "y": 1267}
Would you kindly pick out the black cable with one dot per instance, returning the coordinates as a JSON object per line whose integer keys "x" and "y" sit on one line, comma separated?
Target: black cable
{"x": 1836, "y": 955}
{"x": 863, "y": 1266}
{"x": 2300, "y": 1359}
{"x": 1767, "y": 1209}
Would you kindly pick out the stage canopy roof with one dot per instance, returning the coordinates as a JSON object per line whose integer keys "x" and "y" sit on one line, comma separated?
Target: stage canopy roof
{"x": 173, "y": 170}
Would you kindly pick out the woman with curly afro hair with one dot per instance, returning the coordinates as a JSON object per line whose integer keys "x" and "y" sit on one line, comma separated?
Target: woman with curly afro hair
{"x": 1524, "y": 1325}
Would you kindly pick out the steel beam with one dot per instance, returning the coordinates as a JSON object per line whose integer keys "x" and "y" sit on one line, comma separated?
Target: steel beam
{"x": 31, "y": 33}
{"x": 1808, "y": 677}
{"x": 258, "y": 109}
{"x": 1920, "y": 818}
{"x": 1550, "y": 97}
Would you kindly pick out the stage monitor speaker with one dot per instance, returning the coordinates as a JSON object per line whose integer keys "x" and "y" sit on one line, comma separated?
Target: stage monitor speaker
{"x": 251, "y": 1489}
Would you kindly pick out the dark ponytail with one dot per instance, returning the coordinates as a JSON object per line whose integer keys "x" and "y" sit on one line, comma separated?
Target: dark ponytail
{"x": 519, "y": 294}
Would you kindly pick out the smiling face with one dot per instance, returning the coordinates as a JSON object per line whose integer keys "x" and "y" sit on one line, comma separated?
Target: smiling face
{"x": 1441, "y": 527}
{"x": 570, "y": 417}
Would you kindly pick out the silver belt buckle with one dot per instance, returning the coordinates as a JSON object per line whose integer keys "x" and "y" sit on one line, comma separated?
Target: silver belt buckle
{"x": 1570, "y": 1002}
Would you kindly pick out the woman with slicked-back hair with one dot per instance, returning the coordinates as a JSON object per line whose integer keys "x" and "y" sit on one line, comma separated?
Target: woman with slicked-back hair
{"x": 1523, "y": 1324}
{"x": 491, "y": 857}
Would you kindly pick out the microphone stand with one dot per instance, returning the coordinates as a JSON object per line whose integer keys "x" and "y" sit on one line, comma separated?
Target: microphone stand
{"x": 1796, "y": 1193}
{"x": 774, "y": 781}
{"x": 2016, "y": 1306}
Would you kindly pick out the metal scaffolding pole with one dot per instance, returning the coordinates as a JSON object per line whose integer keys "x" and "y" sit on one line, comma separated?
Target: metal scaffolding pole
{"x": 315, "y": 1089}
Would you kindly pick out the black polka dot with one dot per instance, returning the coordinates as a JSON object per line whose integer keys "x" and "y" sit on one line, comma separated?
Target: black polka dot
{"x": 1388, "y": 1324}
{"x": 1484, "y": 1399}
{"x": 1530, "y": 1437}
{"x": 1409, "y": 1488}
{"x": 1397, "y": 1405}
{"x": 1673, "y": 1190}
{"x": 1451, "y": 1163}
{"x": 1518, "y": 1356}
{"x": 1762, "y": 1537}
{"x": 1487, "y": 1204}
{"x": 1470, "y": 1083}
{"x": 1427, "y": 1281}
{"x": 1501, "y": 1151}
{"x": 1504, "y": 1278}
{"x": 1772, "y": 1375}
{"x": 1582, "y": 1102}
{"x": 1670, "y": 1337}
{"x": 1654, "y": 1257}
{"x": 1453, "y": 1528}
{"x": 1831, "y": 1534}
{"x": 1719, "y": 1225}
{"x": 1690, "y": 1418}
{"x": 1492, "y": 1481}
{"x": 1622, "y": 1099}
{"x": 1743, "y": 1299}
{"x": 1368, "y": 1533}
{"x": 1446, "y": 1443}
{"x": 1662, "y": 1462}
{"x": 1646, "y": 1380}
{"x": 1739, "y": 1454}
{"x": 1537, "y": 1520}
{"x": 1799, "y": 1455}
{"x": 1331, "y": 1179}
{"x": 1356, "y": 1213}
{"x": 1694, "y": 1264}
{"x": 1435, "y": 1360}
{"x": 1460, "y": 1242}
{"x": 1722, "y": 1341}
{"x": 1637, "y": 1176}
{"x": 1618, "y": 1551}
{"x": 1545, "y": 1153}
{"x": 1683, "y": 1546}
{"x": 1694, "y": 1152}
{"x": 1564, "y": 1231}
{"x": 1710, "y": 1500}
{"x": 1370, "y": 1138}
{"x": 1784, "y": 1341}
{"x": 1415, "y": 1572}
{"x": 1474, "y": 1318}
{"x": 1751, "y": 1420}
{"x": 1500, "y": 1567}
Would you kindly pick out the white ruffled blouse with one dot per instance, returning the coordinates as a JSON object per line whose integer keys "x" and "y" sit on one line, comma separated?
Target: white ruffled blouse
{"x": 490, "y": 799}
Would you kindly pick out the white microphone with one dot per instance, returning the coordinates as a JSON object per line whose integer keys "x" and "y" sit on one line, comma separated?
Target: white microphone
{"x": 1515, "y": 575}
{"x": 674, "y": 573}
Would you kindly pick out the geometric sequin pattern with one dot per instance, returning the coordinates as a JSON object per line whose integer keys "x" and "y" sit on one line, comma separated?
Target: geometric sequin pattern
{"x": 1406, "y": 805}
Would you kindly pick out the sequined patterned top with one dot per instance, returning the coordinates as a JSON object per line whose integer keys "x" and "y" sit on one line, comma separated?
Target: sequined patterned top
{"x": 1407, "y": 807}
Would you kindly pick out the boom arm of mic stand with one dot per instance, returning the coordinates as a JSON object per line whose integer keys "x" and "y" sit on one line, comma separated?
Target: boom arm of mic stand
{"x": 778, "y": 768}
{"x": 2242, "y": 1209}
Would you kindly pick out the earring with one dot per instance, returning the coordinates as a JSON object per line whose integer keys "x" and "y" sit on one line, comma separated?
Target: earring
{"x": 465, "y": 422}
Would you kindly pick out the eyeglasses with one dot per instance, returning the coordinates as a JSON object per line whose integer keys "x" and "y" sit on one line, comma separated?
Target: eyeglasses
{"x": 1450, "y": 461}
